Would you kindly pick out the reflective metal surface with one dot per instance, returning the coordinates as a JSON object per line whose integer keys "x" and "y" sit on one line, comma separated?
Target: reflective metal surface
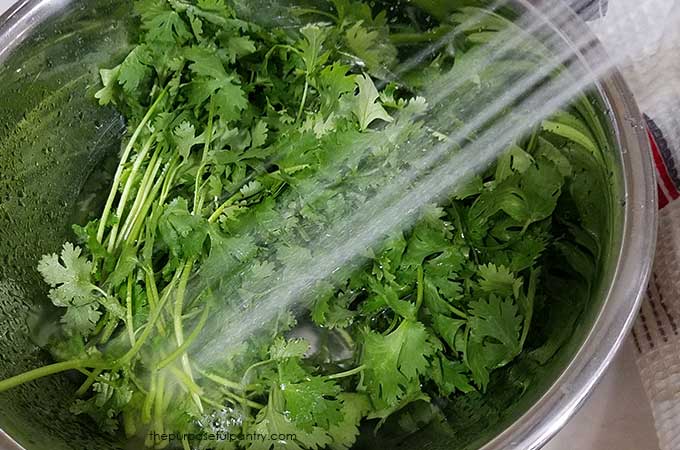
{"x": 52, "y": 135}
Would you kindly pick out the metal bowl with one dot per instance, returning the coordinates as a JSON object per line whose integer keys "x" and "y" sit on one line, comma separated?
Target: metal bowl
{"x": 53, "y": 134}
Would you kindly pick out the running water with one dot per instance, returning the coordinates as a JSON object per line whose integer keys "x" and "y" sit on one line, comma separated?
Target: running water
{"x": 439, "y": 142}
{"x": 442, "y": 156}
{"x": 452, "y": 130}
{"x": 377, "y": 185}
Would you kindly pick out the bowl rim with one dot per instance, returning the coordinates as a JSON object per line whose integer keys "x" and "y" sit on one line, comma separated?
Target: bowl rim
{"x": 628, "y": 282}
{"x": 536, "y": 426}
{"x": 22, "y": 17}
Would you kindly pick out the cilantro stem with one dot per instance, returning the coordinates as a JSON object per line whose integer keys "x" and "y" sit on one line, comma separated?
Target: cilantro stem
{"x": 189, "y": 340}
{"x": 418, "y": 38}
{"x": 243, "y": 400}
{"x": 170, "y": 179}
{"x": 109, "y": 328}
{"x": 191, "y": 314}
{"x": 244, "y": 379}
{"x": 149, "y": 327}
{"x": 211, "y": 402}
{"x": 271, "y": 51}
{"x": 85, "y": 372}
{"x": 179, "y": 332}
{"x": 328, "y": 15}
{"x": 153, "y": 297}
{"x": 159, "y": 410}
{"x": 185, "y": 271}
{"x": 131, "y": 179}
{"x": 141, "y": 220}
{"x": 50, "y": 369}
{"x": 533, "y": 140}
{"x": 145, "y": 189}
{"x": 91, "y": 378}
{"x": 97, "y": 329}
{"x": 233, "y": 399}
{"x": 346, "y": 337}
{"x": 129, "y": 324}
{"x": 393, "y": 325}
{"x": 218, "y": 212}
{"x": 289, "y": 170}
{"x": 198, "y": 192}
{"x": 304, "y": 100}
{"x": 457, "y": 311}
{"x": 123, "y": 160}
{"x": 187, "y": 382}
{"x": 100, "y": 290}
{"x": 347, "y": 373}
{"x": 419, "y": 289}
{"x": 529, "y": 307}
{"x": 149, "y": 400}
{"x": 223, "y": 381}
{"x": 137, "y": 383}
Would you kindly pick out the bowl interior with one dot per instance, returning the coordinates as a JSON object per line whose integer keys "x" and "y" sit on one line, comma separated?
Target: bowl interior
{"x": 53, "y": 135}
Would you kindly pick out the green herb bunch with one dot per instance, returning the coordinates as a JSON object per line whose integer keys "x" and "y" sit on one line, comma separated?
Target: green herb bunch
{"x": 247, "y": 142}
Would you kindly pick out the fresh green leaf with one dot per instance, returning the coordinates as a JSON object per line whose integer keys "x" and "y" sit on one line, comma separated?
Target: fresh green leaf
{"x": 366, "y": 108}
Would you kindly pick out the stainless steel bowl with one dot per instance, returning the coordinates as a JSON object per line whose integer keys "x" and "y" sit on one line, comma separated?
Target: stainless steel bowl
{"x": 52, "y": 135}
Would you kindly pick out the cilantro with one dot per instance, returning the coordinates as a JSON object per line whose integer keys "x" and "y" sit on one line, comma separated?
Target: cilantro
{"x": 282, "y": 349}
{"x": 366, "y": 109}
{"x": 395, "y": 362}
{"x": 185, "y": 138}
{"x": 308, "y": 403}
{"x": 497, "y": 319}
{"x": 499, "y": 280}
{"x": 135, "y": 69}
{"x": 247, "y": 143}
{"x": 70, "y": 276}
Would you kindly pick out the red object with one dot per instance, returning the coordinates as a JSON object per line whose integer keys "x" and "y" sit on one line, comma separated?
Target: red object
{"x": 666, "y": 188}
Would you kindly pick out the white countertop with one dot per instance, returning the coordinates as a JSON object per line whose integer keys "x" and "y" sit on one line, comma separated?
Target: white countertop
{"x": 616, "y": 417}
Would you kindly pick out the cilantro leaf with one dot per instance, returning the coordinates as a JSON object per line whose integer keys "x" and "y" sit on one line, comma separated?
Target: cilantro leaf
{"x": 81, "y": 318}
{"x": 395, "y": 362}
{"x": 366, "y": 108}
{"x": 388, "y": 295}
{"x": 283, "y": 349}
{"x": 112, "y": 394}
{"x": 447, "y": 328}
{"x": 311, "y": 402}
{"x": 312, "y": 54}
{"x": 451, "y": 377}
{"x": 134, "y": 69}
{"x": 272, "y": 420}
{"x": 69, "y": 275}
{"x": 496, "y": 318}
{"x": 109, "y": 79}
{"x": 185, "y": 138}
{"x": 184, "y": 233}
{"x": 354, "y": 408}
{"x": 162, "y": 23}
{"x": 499, "y": 280}
{"x": 333, "y": 82}
{"x": 429, "y": 237}
{"x": 371, "y": 47}
{"x": 211, "y": 79}
{"x": 248, "y": 142}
